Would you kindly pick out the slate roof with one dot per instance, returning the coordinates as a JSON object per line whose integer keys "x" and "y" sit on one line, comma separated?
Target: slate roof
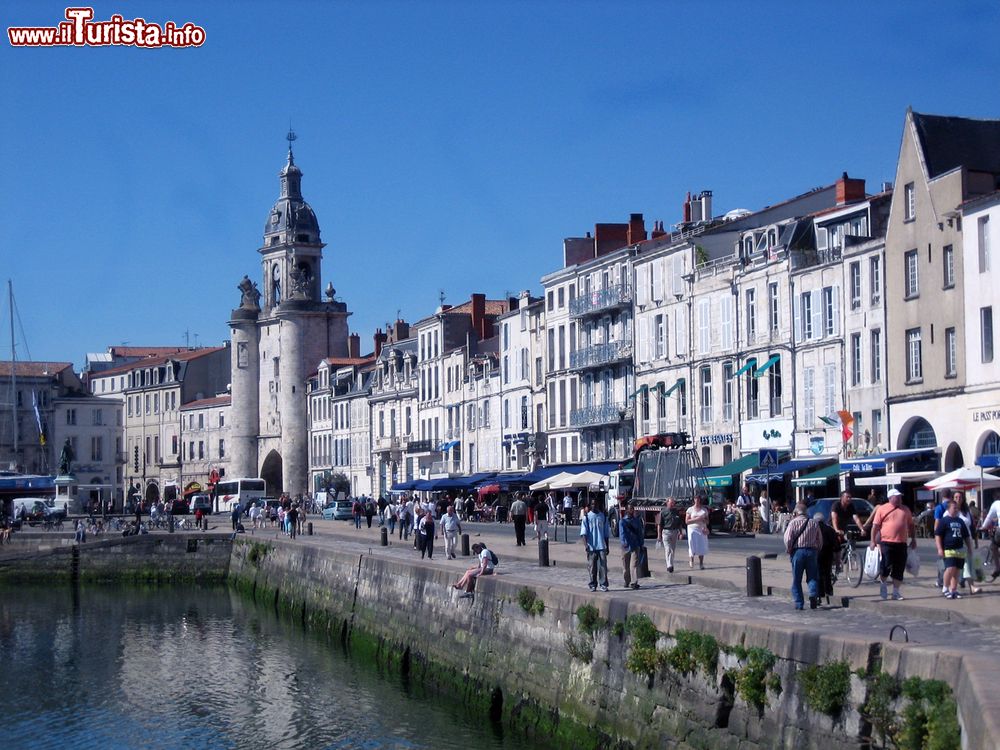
{"x": 203, "y": 403}
{"x": 181, "y": 356}
{"x": 949, "y": 142}
{"x": 33, "y": 369}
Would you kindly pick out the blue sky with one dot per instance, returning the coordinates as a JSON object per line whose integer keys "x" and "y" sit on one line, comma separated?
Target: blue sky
{"x": 444, "y": 145}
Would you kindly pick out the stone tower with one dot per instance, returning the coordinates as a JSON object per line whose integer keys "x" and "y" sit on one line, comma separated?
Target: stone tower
{"x": 279, "y": 338}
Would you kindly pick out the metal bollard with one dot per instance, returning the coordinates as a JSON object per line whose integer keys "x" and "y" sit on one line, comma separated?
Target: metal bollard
{"x": 465, "y": 545}
{"x": 643, "y": 571}
{"x": 309, "y": 528}
{"x": 755, "y": 586}
{"x": 170, "y": 523}
{"x": 543, "y": 553}
{"x": 385, "y": 537}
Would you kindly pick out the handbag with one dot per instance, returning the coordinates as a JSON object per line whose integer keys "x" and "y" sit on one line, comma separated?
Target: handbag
{"x": 873, "y": 562}
{"x": 913, "y": 562}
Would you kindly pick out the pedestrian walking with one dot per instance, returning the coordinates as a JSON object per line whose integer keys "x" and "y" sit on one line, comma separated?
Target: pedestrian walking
{"x": 631, "y": 530}
{"x": 892, "y": 529}
{"x": 803, "y": 541}
{"x": 991, "y": 528}
{"x": 965, "y": 513}
{"x": 427, "y": 534}
{"x": 668, "y": 529}
{"x": 518, "y": 514}
{"x": 235, "y": 515}
{"x": 292, "y": 519}
{"x": 696, "y": 520}
{"x": 953, "y": 541}
{"x": 451, "y": 525}
{"x": 596, "y": 531}
{"x": 357, "y": 510}
{"x": 369, "y": 511}
{"x": 542, "y": 520}
{"x": 827, "y": 555}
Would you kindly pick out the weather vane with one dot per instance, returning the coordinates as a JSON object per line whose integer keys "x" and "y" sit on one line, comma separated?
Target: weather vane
{"x": 290, "y": 137}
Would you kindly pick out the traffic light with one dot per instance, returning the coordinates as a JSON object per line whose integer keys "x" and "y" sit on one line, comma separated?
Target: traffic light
{"x": 135, "y": 458}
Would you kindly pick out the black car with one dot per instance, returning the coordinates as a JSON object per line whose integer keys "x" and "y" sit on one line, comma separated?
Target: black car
{"x": 862, "y": 509}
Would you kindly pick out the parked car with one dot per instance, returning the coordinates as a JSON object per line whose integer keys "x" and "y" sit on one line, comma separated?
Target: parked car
{"x": 181, "y": 506}
{"x": 201, "y": 502}
{"x": 338, "y": 510}
{"x": 37, "y": 510}
{"x": 862, "y": 508}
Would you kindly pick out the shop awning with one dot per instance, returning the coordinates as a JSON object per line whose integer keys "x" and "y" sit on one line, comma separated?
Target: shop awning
{"x": 746, "y": 366}
{"x": 766, "y": 366}
{"x": 403, "y": 486}
{"x": 779, "y": 471}
{"x": 447, "y": 446}
{"x": 744, "y": 463}
{"x": 674, "y": 387}
{"x": 878, "y": 462}
{"x": 818, "y": 478}
{"x": 988, "y": 462}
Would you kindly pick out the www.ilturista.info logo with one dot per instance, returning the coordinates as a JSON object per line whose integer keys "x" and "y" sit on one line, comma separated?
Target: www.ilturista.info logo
{"x": 80, "y": 30}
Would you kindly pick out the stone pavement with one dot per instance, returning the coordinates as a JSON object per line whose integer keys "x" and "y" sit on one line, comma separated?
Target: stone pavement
{"x": 718, "y": 590}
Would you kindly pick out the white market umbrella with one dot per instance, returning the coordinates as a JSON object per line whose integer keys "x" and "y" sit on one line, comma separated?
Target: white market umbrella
{"x": 963, "y": 479}
{"x": 573, "y": 481}
{"x": 545, "y": 484}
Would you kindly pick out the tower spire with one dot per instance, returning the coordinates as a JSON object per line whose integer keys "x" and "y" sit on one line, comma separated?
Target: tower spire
{"x": 290, "y": 137}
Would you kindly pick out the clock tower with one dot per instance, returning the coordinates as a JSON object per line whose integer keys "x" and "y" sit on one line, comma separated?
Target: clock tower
{"x": 279, "y": 337}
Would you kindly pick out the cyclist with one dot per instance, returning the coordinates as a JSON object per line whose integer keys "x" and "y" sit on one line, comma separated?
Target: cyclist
{"x": 990, "y": 524}
{"x": 842, "y": 513}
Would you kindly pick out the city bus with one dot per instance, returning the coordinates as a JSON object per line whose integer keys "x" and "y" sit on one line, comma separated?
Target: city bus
{"x": 243, "y": 491}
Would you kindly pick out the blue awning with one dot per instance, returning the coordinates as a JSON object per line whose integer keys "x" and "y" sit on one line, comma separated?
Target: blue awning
{"x": 23, "y": 482}
{"x": 447, "y": 446}
{"x": 401, "y": 486}
{"x": 746, "y": 366}
{"x": 988, "y": 461}
{"x": 787, "y": 467}
{"x": 764, "y": 367}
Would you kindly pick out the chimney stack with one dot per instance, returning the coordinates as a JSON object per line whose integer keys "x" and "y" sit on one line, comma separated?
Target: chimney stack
{"x": 354, "y": 346}
{"x": 658, "y": 230}
{"x": 636, "y": 229}
{"x": 687, "y": 209}
{"x": 849, "y": 190}
{"x": 379, "y": 341}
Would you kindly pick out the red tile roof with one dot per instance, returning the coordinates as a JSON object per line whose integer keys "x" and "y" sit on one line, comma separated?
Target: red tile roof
{"x": 33, "y": 369}
{"x": 203, "y": 403}
{"x": 185, "y": 355}
{"x": 345, "y": 361}
{"x": 145, "y": 351}
{"x": 493, "y": 307}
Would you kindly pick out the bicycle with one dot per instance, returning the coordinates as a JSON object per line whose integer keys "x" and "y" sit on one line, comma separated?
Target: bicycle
{"x": 850, "y": 561}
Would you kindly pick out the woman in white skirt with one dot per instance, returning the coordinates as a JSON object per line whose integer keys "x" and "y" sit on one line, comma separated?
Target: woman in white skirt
{"x": 696, "y": 519}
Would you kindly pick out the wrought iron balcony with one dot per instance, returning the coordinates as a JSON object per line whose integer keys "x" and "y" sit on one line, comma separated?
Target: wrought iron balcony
{"x": 387, "y": 443}
{"x": 599, "y": 300}
{"x": 600, "y": 354}
{"x": 446, "y": 467}
{"x": 422, "y": 446}
{"x": 593, "y": 416}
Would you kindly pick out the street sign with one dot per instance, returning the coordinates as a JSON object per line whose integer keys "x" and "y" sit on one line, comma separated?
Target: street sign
{"x": 767, "y": 458}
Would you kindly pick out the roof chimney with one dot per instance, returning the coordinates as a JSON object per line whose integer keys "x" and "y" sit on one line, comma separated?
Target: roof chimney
{"x": 657, "y": 230}
{"x": 354, "y": 346}
{"x": 379, "y": 340}
{"x": 849, "y": 190}
{"x": 636, "y": 229}
{"x": 687, "y": 209}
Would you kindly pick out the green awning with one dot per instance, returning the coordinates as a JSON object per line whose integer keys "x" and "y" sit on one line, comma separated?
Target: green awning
{"x": 763, "y": 368}
{"x": 746, "y": 366}
{"x": 639, "y": 390}
{"x": 674, "y": 387}
{"x": 747, "y": 462}
{"x": 818, "y": 478}
{"x": 725, "y": 481}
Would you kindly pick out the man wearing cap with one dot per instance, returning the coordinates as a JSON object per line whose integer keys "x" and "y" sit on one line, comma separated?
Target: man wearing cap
{"x": 803, "y": 541}
{"x": 892, "y": 529}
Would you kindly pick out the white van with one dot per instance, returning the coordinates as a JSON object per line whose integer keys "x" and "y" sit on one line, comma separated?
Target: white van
{"x": 620, "y": 484}
{"x": 37, "y": 509}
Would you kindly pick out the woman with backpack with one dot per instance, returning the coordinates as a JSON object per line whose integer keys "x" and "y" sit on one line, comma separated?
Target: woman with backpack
{"x": 487, "y": 562}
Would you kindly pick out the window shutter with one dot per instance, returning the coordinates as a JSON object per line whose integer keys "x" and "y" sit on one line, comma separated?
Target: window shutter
{"x": 656, "y": 269}
{"x": 836, "y": 311}
{"x": 642, "y": 277}
{"x": 643, "y": 340}
{"x": 797, "y": 318}
{"x": 817, "y": 313}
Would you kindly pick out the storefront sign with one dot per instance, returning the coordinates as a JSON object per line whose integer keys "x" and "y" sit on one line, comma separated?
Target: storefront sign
{"x": 986, "y": 415}
{"x": 766, "y": 433}
{"x": 718, "y": 439}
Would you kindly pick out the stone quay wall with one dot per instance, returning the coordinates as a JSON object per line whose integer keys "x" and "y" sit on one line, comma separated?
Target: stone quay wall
{"x": 147, "y": 558}
{"x": 550, "y": 675}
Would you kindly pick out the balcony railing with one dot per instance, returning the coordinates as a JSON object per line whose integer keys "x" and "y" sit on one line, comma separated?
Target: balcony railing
{"x": 600, "y": 354}
{"x": 591, "y": 416}
{"x": 387, "y": 443}
{"x": 422, "y": 446}
{"x": 446, "y": 467}
{"x": 600, "y": 299}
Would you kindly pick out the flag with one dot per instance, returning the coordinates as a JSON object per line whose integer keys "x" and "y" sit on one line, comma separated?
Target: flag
{"x": 829, "y": 421}
{"x": 846, "y": 420}
{"x": 42, "y": 437}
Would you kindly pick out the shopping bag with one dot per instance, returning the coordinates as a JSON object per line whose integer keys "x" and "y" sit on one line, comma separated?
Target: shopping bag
{"x": 873, "y": 562}
{"x": 913, "y": 562}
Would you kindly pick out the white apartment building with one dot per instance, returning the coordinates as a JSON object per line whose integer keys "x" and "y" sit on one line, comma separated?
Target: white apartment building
{"x": 93, "y": 427}
{"x": 398, "y": 454}
{"x": 522, "y": 385}
{"x": 204, "y": 432}
{"x": 980, "y": 409}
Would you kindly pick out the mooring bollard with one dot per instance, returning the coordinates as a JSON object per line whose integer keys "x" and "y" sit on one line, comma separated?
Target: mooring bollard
{"x": 170, "y": 523}
{"x": 543, "y": 553}
{"x": 385, "y": 537}
{"x": 465, "y": 545}
{"x": 309, "y": 528}
{"x": 755, "y": 586}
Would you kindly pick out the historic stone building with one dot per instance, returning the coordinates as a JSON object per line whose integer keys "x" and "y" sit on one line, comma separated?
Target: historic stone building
{"x": 278, "y": 336}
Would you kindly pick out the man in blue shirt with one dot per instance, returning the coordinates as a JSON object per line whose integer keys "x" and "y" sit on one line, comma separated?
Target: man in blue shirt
{"x": 632, "y": 530}
{"x": 595, "y": 530}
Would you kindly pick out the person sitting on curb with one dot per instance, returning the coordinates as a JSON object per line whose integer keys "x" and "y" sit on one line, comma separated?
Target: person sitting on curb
{"x": 485, "y": 568}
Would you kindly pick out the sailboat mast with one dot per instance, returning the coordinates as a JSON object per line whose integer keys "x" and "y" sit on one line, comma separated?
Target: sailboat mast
{"x": 13, "y": 365}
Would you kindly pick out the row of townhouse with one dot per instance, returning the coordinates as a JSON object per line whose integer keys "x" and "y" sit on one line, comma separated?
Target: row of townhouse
{"x": 769, "y": 329}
